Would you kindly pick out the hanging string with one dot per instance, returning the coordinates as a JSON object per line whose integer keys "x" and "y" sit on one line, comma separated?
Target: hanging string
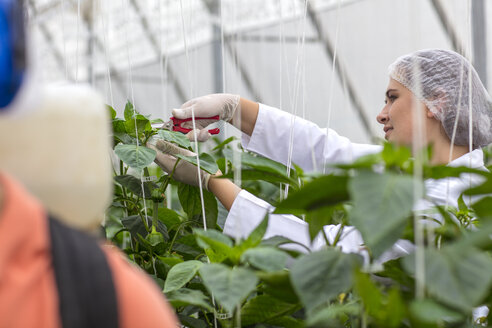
{"x": 332, "y": 80}
{"x": 193, "y": 116}
{"x": 77, "y": 44}
{"x": 418, "y": 137}
{"x": 62, "y": 18}
{"x": 105, "y": 40}
{"x": 130, "y": 79}
{"x": 297, "y": 82}
{"x": 470, "y": 109}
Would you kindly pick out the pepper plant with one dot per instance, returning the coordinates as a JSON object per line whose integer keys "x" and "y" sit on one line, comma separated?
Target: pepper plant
{"x": 213, "y": 280}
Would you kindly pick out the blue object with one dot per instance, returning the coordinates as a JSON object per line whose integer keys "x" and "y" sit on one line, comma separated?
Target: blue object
{"x": 12, "y": 50}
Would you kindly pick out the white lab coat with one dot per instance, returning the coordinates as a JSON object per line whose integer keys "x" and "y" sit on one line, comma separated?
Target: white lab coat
{"x": 312, "y": 148}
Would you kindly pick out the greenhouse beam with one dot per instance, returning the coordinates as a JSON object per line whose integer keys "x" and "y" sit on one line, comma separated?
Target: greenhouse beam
{"x": 60, "y": 59}
{"x": 212, "y": 7}
{"x": 153, "y": 41}
{"x": 341, "y": 72}
{"x": 479, "y": 26}
{"x": 456, "y": 43}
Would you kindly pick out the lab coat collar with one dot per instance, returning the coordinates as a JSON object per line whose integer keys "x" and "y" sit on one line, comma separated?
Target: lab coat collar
{"x": 473, "y": 159}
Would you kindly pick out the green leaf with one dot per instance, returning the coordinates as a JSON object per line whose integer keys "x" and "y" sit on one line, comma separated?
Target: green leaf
{"x": 259, "y": 163}
{"x": 256, "y": 236}
{"x": 483, "y": 207}
{"x": 395, "y": 310}
{"x": 483, "y": 189}
{"x": 119, "y": 126}
{"x": 189, "y": 198}
{"x": 430, "y": 312}
{"x": 184, "y": 297}
{"x": 136, "y": 227}
{"x": 138, "y": 123}
{"x": 112, "y": 112}
{"x": 455, "y": 276}
{"x": 229, "y": 286}
{"x": 181, "y": 274}
{"x": 155, "y": 238}
{"x": 264, "y": 308}
{"x": 323, "y": 191}
{"x": 370, "y": 294}
{"x": 211, "y": 209}
{"x": 175, "y": 137}
{"x": 318, "y": 218}
{"x": 277, "y": 241}
{"x": 169, "y": 217}
{"x": 224, "y": 143}
{"x": 207, "y": 162}
{"x": 278, "y": 284}
{"x": 124, "y": 138}
{"x": 319, "y": 277}
{"x": 265, "y": 258}
{"x": 331, "y": 316}
{"x": 254, "y": 175}
{"x": 135, "y": 156}
{"x": 217, "y": 245}
{"x": 135, "y": 185}
{"x": 382, "y": 204}
{"x": 286, "y": 322}
{"x": 191, "y": 322}
{"x": 129, "y": 111}
{"x": 171, "y": 261}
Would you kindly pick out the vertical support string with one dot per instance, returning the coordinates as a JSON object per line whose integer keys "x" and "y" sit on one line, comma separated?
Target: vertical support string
{"x": 130, "y": 78}
{"x": 297, "y": 82}
{"x": 77, "y": 44}
{"x": 106, "y": 52}
{"x": 332, "y": 80}
{"x": 419, "y": 151}
{"x": 193, "y": 116}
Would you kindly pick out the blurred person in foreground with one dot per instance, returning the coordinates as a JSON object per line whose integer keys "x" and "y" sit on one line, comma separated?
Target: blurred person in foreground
{"x": 430, "y": 86}
{"x": 52, "y": 275}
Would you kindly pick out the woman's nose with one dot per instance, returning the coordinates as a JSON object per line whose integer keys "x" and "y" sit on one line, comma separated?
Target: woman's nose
{"x": 382, "y": 117}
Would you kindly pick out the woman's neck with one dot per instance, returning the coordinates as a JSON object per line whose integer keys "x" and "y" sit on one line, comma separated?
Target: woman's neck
{"x": 443, "y": 153}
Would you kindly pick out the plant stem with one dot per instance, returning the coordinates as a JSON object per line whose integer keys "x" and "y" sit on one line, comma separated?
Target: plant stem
{"x": 155, "y": 214}
{"x": 339, "y": 234}
{"x": 165, "y": 184}
{"x": 176, "y": 235}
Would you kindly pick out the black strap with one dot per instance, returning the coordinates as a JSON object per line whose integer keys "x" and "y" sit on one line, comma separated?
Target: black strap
{"x": 85, "y": 286}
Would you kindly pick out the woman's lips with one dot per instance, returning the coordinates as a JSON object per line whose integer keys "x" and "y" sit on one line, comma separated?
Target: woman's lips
{"x": 388, "y": 132}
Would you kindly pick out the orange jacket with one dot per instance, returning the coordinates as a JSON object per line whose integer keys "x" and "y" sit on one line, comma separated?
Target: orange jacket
{"x": 28, "y": 294}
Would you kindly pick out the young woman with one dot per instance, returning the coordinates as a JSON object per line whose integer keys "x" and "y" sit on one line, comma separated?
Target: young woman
{"x": 428, "y": 91}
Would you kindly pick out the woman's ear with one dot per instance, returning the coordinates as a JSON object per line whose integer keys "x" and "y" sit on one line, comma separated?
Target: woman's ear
{"x": 430, "y": 114}
{"x": 439, "y": 100}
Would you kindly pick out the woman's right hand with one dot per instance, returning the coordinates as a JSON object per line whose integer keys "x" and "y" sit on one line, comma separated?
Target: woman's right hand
{"x": 222, "y": 104}
{"x": 231, "y": 108}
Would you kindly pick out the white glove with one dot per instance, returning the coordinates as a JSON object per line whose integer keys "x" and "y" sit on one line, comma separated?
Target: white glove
{"x": 223, "y": 104}
{"x": 185, "y": 172}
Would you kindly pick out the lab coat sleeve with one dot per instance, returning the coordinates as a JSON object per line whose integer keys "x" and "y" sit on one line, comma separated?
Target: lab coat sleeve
{"x": 312, "y": 147}
{"x": 239, "y": 225}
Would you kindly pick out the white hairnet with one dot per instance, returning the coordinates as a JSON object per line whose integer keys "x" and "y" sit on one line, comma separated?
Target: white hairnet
{"x": 442, "y": 77}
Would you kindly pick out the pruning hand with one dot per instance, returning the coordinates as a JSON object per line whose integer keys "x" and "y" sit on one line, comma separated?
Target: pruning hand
{"x": 184, "y": 171}
{"x": 223, "y": 104}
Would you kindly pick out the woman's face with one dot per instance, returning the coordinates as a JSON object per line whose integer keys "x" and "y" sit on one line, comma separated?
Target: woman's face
{"x": 397, "y": 115}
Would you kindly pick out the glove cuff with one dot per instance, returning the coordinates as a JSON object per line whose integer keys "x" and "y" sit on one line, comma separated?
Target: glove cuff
{"x": 205, "y": 179}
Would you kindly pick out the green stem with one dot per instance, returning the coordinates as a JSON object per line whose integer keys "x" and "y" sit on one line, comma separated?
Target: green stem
{"x": 339, "y": 234}
{"x": 155, "y": 214}
{"x": 176, "y": 235}
{"x": 165, "y": 184}
{"x": 144, "y": 221}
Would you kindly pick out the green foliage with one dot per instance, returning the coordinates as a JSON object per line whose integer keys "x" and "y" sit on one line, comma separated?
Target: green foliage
{"x": 260, "y": 282}
{"x": 382, "y": 203}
